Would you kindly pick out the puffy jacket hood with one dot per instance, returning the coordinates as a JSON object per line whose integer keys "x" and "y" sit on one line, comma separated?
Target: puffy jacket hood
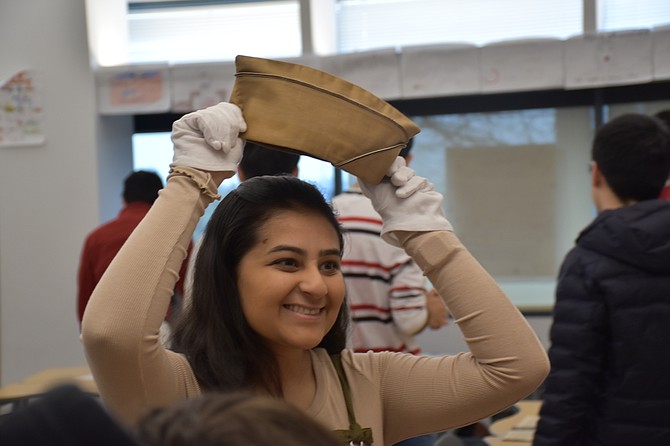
{"x": 637, "y": 235}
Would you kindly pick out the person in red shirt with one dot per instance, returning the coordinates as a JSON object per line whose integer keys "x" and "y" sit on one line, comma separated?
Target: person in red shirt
{"x": 140, "y": 190}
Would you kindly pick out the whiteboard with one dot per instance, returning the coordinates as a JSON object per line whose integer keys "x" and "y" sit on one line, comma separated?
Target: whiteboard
{"x": 506, "y": 216}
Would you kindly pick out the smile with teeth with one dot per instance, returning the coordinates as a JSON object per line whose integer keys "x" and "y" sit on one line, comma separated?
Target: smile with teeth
{"x": 303, "y": 310}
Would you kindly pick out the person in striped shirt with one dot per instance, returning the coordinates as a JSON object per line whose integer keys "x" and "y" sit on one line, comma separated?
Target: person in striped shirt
{"x": 386, "y": 290}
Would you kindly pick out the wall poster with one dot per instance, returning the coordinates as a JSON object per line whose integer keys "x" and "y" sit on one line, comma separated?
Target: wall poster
{"x": 21, "y": 112}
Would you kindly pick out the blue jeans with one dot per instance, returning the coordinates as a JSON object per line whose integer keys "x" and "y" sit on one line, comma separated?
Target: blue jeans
{"x": 422, "y": 440}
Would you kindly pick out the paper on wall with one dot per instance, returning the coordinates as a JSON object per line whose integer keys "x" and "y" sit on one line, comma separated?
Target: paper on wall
{"x": 21, "y": 110}
{"x": 521, "y": 65}
{"x": 439, "y": 70}
{"x": 195, "y": 87}
{"x": 661, "y": 52}
{"x": 376, "y": 71}
{"x": 617, "y": 58}
{"x": 127, "y": 90}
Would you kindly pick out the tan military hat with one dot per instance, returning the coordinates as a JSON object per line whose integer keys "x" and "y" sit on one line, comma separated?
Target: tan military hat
{"x": 300, "y": 109}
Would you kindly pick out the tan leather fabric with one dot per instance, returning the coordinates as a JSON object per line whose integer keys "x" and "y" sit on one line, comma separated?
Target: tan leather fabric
{"x": 300, "y": 109}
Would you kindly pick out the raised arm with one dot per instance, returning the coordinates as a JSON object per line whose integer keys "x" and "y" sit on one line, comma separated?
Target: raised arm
{"x": 131, "y": 368}
{"x": 506, "y": 361}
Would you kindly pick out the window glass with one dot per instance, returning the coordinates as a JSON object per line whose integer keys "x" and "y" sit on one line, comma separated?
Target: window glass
{"x": 627, "y": 14}
{"x": 516, "y": 189}
{"x": 368, "y": 24}
{"x": 215, "y": 32}
{"x": 646, "y": 108}
{"x": 153, "y": 151}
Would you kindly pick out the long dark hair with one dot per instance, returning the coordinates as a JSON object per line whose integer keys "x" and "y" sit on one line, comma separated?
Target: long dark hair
{"x": 223, "y": 350}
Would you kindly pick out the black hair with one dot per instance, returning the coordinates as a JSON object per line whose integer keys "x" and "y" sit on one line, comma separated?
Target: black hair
{"x": 404, "y": 152}
{"x": 258, "y": 160}
{"x": 664, "y": 115}
{"x": 633, "y": 154}
{"x": 232, "y": 419}
{"x": 142, "y": 186}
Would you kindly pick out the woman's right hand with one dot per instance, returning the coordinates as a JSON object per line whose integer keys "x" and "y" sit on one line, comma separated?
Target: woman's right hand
{"x": 209, "y": 140}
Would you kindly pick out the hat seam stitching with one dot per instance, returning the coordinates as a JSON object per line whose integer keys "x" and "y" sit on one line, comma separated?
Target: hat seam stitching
{"x": 350, "y": 160}
{"x": 329, "y": 92}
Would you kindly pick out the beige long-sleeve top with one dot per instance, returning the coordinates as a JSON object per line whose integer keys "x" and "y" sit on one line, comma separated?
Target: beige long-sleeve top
{"x": 397, "y": 395}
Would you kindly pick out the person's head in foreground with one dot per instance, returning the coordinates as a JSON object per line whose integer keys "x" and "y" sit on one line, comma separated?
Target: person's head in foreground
{"x": 238, "y": 418}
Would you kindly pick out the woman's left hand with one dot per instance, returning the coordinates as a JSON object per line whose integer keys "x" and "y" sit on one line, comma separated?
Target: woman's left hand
{"x": 406, "y": 202}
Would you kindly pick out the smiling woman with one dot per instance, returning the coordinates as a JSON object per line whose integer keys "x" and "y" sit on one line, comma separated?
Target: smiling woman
{"x": 276, "y": 246}
{"x": 268, "y": 313}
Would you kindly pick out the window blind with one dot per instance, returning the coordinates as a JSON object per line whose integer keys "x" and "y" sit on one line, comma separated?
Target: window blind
{"x": 368, "y": 24}
{"x": 215, "y": 32}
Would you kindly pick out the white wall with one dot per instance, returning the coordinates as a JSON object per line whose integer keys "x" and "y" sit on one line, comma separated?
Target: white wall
{"x": 50, "y": 195}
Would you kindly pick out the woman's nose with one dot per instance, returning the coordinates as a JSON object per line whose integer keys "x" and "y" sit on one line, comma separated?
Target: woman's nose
{"x": 312, "y": 282}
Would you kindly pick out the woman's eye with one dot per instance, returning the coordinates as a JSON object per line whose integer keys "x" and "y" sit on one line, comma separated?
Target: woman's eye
{"x": 331, "y": 267}
{"x": 287, "y": 263}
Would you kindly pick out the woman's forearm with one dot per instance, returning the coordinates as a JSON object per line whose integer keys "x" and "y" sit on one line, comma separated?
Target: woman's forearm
{"x": 513, "y": 361}
{"x": 120, "y": 328}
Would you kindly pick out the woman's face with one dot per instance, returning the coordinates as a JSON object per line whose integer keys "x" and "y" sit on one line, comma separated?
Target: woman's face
{"x": 290, "y": 283}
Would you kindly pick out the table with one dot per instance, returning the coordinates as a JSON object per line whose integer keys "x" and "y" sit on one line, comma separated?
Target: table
{"x": 519, "y": 425}
{"x": 35, "y": 385}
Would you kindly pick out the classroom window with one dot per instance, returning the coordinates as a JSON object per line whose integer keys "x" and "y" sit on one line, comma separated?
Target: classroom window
{"x": 368, "y": 24}
{"x": 190, "y": 31}
{"x": 206, "y": 32}
{"x": 618, "y": 15}
{"x": 515, "y": 189}
{"x": 153, "y": 152}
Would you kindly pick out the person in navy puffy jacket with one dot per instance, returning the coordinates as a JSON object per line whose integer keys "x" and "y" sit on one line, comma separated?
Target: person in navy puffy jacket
{"x": 610, "y": 336}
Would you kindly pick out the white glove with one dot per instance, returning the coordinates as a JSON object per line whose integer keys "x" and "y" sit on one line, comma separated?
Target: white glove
{"x": 209, "y": 139}
{"x": 406, "y": 202}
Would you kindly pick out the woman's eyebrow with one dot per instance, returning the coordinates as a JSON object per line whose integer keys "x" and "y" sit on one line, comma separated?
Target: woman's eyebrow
{"x": 300, "y": 251}
{"x": 329, "y": 252}
{"x": 290, "y": 248}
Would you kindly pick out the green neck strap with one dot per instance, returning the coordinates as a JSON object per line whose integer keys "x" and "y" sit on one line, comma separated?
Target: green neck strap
{"x": 355, "y": 435}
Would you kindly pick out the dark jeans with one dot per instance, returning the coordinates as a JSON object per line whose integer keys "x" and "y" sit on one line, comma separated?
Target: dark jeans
{"x": 422, "y": 440}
